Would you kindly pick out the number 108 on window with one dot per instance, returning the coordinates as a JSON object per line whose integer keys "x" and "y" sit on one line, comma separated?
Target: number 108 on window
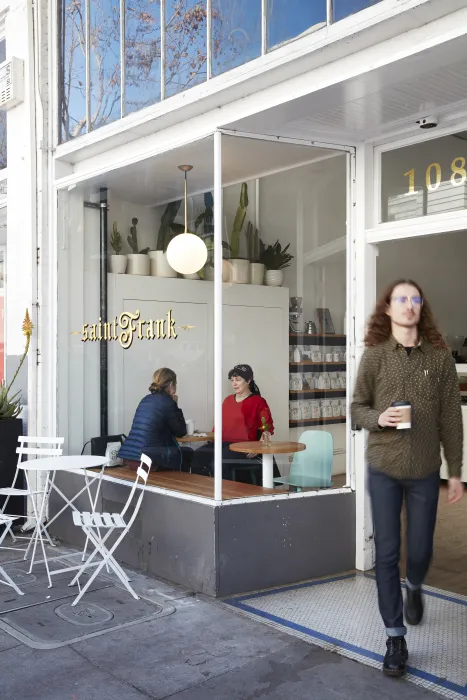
{"x": 434, "y": 175}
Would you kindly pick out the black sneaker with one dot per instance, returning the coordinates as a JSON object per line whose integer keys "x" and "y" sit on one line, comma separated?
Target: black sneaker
{"x": 396, "y": 657}
{"x": 413, "y": 608}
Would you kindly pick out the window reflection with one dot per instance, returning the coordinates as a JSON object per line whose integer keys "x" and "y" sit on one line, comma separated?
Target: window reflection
{"x": 288, "y": 19}
{"x": 142, "y": 54}
{"x": 105, "y": 62}
{"x": 236, "y": 33}
{"x": 344, "y": 8}
{"x": 186, "y": 52}
{"x": 73, "y": 57}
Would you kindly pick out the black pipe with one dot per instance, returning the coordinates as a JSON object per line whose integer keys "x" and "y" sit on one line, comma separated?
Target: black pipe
{"x": 103, "y": 313}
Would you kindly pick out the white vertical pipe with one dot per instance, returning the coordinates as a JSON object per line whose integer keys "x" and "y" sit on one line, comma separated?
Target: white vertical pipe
{"x": 218, "y": 315}
{"x": 299, "y": 257}
{"x": 330, "y": 11}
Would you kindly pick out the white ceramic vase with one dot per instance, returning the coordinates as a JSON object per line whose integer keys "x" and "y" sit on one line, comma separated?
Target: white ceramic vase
{"x": 256, "y": 273}
{"x": 240, "y": 271}
{"x": 274, "y": 278}
{"x": 118, "y": 264}
{"x": 138, "y": 264}
{"x": 159, "y": 264}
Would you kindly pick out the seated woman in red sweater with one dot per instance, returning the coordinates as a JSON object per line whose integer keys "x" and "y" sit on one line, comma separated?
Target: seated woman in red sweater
{"x": 246, "y": 417}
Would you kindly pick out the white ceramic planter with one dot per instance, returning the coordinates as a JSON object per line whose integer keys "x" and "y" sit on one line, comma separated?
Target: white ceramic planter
{"x": 193, "y": 276}
{"x": 256, "y": 273}
{"x": 274, "y": 278}
{"x": 138, "y": 264}
{"x": 159, "y": 265}
{"x": 118, "y": 264}
{"x": 240, "y": 271}
{"x": 226, "y": 272}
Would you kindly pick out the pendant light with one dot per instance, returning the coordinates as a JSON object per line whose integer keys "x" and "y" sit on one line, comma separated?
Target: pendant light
{"x": 187, "y": 253}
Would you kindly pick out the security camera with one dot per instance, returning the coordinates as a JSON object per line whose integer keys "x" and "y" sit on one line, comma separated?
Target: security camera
{"x": 427, "y": 122}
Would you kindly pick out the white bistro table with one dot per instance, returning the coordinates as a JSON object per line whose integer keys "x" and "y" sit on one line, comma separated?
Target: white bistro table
{"x": 68, "y": 463}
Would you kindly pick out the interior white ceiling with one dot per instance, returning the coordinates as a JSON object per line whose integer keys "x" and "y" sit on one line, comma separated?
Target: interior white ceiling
{"x": 158, "y": 180}
{"x": 374, "y": 103}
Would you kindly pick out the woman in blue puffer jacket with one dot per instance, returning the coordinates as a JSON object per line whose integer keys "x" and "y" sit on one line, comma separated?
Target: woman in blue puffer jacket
{"x": 157, "y": 424}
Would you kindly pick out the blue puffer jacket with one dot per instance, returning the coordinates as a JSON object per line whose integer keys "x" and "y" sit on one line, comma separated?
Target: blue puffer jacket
{"x": 156, "y": 424}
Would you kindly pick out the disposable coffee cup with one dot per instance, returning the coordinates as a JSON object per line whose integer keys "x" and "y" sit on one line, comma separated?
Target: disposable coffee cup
{"x": 190, "y": 427}
{"x": 406, "y": 414}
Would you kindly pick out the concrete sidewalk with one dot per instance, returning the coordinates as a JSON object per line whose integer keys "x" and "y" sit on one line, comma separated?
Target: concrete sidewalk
{"x": 201, "y": 651}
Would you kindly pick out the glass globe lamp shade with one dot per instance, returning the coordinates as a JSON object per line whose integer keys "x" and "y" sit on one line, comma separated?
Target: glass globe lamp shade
{"x": 187, "y": 253}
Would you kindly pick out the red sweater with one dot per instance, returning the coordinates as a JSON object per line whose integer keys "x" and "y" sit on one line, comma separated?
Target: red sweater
{"x": 241, "y": 420}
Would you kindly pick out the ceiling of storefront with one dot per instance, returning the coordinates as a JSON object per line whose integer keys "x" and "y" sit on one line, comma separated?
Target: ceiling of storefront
{"x": 375, "y": 103}
{"x": 158, "y": 180}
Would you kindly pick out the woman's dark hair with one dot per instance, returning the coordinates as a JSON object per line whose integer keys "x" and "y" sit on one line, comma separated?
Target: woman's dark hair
{"x": 379, "y": 326}
{"x": 162, "y": 379}
{"x": 246, "y": 373}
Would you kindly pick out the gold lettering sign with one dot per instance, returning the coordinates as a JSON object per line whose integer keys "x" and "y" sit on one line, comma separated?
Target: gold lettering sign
{"x": 127, "y": 326}
{"x": 434, "y": 175}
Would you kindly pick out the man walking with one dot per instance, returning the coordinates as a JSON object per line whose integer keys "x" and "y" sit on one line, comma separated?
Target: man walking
{"x": 406, "y": 362}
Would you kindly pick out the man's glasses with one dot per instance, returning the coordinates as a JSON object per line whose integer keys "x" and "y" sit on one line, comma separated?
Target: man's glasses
{"x": 415, "y": 301}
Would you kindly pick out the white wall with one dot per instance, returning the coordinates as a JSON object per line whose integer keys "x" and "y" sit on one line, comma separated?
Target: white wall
{"x": 147, "y": 227}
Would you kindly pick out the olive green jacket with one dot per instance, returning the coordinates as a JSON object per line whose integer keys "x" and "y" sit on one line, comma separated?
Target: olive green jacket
{"x": 427, "y": 378}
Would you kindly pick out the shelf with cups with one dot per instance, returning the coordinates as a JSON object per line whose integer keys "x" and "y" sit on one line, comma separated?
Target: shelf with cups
{"x": 306, "y": 422}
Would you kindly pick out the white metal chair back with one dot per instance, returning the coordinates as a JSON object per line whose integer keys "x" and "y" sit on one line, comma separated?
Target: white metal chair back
{"x": 92, "y": 523}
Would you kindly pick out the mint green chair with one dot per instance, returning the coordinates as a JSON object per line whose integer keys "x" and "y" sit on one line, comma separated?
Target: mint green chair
{"x": 311, "y": 468}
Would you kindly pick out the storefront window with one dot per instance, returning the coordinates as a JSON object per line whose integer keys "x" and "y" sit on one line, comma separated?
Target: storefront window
{"x": 3, "y": 119}
{"x": 289, "y": 19}
{"x": 283, "y": 311}
{"x": 236, "y": 33}
{"x": 186, "y": 45}
{"x": 344, "y": 8}
{"x": 3, "y": 213}
{"x": 423, "y": 179}
{"x": 73, "y": 69}
{"x": 105, "y": 62}
{"x": 142, "y": 54}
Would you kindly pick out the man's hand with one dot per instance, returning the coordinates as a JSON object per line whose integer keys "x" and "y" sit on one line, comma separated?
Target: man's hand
{"x": 390, "y": 418}
{"x": 455, "y": 489}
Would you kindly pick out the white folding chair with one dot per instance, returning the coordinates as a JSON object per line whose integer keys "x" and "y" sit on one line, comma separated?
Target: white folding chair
{"x": 93, "y": 524}
{"x": 46, "y": 447}
{"x": 5, "y": 578}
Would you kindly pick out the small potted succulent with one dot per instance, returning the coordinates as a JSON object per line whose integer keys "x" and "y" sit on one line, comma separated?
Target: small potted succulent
{"x": 138, "y": 260}
{"x": 275, "y": 260}
{"x": 118, "y": 261}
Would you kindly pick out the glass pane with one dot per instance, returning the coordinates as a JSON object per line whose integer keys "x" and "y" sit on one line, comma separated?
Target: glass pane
{"x": 105, "y": 62}
{"x": 185, "y": 45}
{"x": 3, "y": 141}
{"x": 288, "y": 19}
{"x": 236, "y": 33}
{"x": 73, "y": 70}
{"x": 2, "y": 50}
{"x": 142, "y": 54}
{"x": 344, "y": 8}
{"x": 284, "y": 317}
{"x": 427, "y": 178}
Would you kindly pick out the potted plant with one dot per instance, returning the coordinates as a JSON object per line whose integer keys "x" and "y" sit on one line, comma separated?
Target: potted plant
{"x": 240, "y": 266}
{"x": 256, "y": 267}
{"x": 207, "y": 219}
{"x": 159, "y": 263}
{"x": 138, "y": 261}
{"x": 275, "y": 261}
{"x": 117, "y": 260}
{"x": 11, "y": 427}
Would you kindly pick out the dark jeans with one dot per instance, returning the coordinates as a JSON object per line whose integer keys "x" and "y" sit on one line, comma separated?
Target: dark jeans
{"x": 421, "y": 498}
{"x": 172, "y": 459}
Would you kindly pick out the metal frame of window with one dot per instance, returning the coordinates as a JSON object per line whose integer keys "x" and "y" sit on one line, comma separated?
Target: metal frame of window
{"x": 163, "y": 44}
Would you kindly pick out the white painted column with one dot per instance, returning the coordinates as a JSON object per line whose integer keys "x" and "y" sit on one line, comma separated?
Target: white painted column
{"x": 21, "y": 218}
{"x": 365, "y": 292}
{"x": 218, "y": 315}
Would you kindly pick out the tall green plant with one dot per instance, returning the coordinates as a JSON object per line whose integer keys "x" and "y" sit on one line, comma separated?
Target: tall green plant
{"x": 116, "y": 239}
{"x": 10, "y": 406}
{"x": 252, "y": 236}
{"x": 166, "y": 233}
{"x": 239, "y": 221}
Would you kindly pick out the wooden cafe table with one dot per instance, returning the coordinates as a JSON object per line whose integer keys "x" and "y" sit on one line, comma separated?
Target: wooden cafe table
{"x": 275, "y": 447}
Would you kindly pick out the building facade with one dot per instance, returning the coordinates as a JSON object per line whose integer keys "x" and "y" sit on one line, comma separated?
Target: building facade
{"x": 346, "y": 121}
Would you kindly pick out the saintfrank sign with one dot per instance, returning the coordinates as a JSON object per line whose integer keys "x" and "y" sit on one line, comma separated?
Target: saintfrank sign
{"x": 126, "y": 327}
